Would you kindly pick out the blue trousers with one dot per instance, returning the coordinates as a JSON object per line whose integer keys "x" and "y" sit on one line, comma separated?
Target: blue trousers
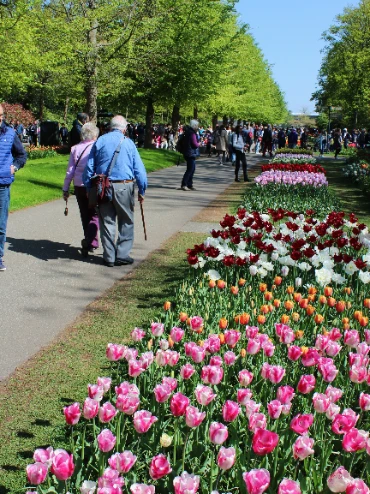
{"x": 187, "y": 180}
{"x": 4, "y": 210}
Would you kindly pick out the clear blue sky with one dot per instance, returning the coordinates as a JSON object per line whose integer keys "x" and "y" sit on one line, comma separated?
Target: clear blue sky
{"x": 289, "y": 35}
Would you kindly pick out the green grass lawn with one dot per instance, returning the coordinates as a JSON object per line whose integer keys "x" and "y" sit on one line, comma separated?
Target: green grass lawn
{"x": 42, "y": 180}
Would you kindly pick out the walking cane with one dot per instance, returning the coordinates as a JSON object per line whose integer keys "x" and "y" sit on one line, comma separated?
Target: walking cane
{"x": 143, "y": 219}
{"x": 66, "y": 208}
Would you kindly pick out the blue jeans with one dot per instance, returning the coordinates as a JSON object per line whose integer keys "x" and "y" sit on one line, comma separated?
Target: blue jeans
{"x": 4, "y": 209}
{"x": 187, "y": 180}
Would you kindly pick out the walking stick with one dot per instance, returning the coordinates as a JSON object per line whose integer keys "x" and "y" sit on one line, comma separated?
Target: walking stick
{"x": 143, "y": 219}
{"x": 66, "y": 208}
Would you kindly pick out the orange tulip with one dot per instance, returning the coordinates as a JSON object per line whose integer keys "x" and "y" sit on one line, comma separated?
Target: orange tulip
{"x": 319, "y": 318}
{"x": 289, "y": 304}
{"x": 340, "y": 306}
{"x": 322, "y": 299}
{"x": 261, "y": 319}
{"x": 297, "y": 297}
{"x": 346, "y": 326}
{"x": 271, "y": 308}
{"x": 242, "y": 282}
{"x": 264, "y": 309}
{"x": 277, "y": 303}
{"x": 222, "y": 338}
{"x": 268, "y": 296}
{"x": 299, "y": 334}
{"x": 200, "y": 343}
{"x": 290, "y": 289}
{"x": 367, "y": 303}
{"x": 285, "y": 318}
{"x": 310, "y": 310}
{"x": 357, "y": 315}
{"x": 243, "y": 352}
{"x": 234, "y": 290}
{"x": 263, "y": 287}
{"x": 303, "y": 304}
{"x": 349, "y": 305}
{"x": 170, "y": 342}
{"x": 183, "y": 316}
{"x": 312, "y": 290}
{"x": 295, "y": 316}
{"x": 363, "y": 321}
{"x": 212, "y": 283}
{"x": 331, "y": 302}
{"x": 328, "y": 291}
{"x": 167, "y": 305}
{"x": 221, "y": 284}
{"x": 223, "y": 323}
{"x": 311, "y": 297}
{"x": 304, "y": 349}
{"x": 278, "y": 280}
{"x": 345, "y": 320}
{"x": 347, "y": 290}
{"x": 244, "y": 318}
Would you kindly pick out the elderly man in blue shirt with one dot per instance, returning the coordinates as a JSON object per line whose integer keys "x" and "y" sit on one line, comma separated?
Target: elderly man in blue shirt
{"x": 120, "y": 210}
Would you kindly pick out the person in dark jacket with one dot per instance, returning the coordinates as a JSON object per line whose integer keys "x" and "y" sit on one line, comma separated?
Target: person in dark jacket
{"x": 292, "y": 139}
{"x": 267, "y": 141}
{"x": 75, "y": 132}
{"x": 191, "y": 151}
{"x": 281, "y": 139}
{"x": 12, "y": 158}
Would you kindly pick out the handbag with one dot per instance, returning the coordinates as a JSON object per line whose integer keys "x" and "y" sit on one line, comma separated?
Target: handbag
{"x": 100, "y": 190}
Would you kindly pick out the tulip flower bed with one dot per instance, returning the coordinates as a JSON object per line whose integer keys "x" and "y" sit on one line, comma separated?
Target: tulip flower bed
{"x": 292, "y": 156}
{"x": 288, "y": 167}
{"x": 292, "y": 178}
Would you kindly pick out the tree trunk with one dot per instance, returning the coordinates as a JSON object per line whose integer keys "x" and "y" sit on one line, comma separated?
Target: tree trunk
{"x": 149, "y": 123}
{"x": 66, "y": 104}
{"x": 214, "y": 121}
{"x": 91, "y": 69}
{"x": 41, "y": 102}
{"x": 195, "y": 113}
{"x": 225, "y": 121}
{"x": 175, "y": 119}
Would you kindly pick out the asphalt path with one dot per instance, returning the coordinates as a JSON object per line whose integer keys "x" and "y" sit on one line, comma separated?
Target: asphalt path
{"x": 47, "y": 284}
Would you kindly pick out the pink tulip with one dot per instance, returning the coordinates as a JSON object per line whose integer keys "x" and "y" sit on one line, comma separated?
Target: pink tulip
{"x": 364, "y": 402}
{"x": 193, "y": 417}
{"x": 62, "y": 465}
{"x": 105, "y": 382}
{"x": 226, "y": 458}
{"x": 355, "y": 440}
{"x": 339, "y": 480}
{"x": 196, "y": 323}
{"x": 332, "y": 411}
{"x": 276, "y": 374}
{"x": 128, "y": 403}
{"x": 159, "y": 467}
{"x": 343, "y": 423}
{"x": 251, "y": 331}
{"x": 131, "y": 354}
{"x": 198, "y": 354}
{"x": 251, "y": 407}
{"x": 301, "y": 423}
{"x": 232, "y": 337}
{"x": 179, "y": 403}
{"x": 334, "y": 394}
{"x": 367, "y": 336}
{"x": 274, "y": 409}
{"x": 306, "y": 384}
{"x": 204, "y": 395}
{"x": 186, "y": 483}
{"x": 357, "y": 486}
{"x": 135, "y": 368}
{"x": 257, "y": 481}
{"x": 187, "y": 371}
{"x": 294, "y": 353}
{"x": 253, "y": 346}
{"x": 72, "y": 414}
{"x": 44, "y": 456}
{"x": 285, "y": 410}
{"x": 36, "y": 473}
{"x": 320, "y": 402}
{"x": 268, "y": 349}
{"x": 142, "y": 489}
{"x": 110, "y": 482}
{"x": 257, "y": 421}
{"x": 212, "y": 374}
{"x": 335, "y": 334}
{"x": 157, "y": 329}
{"x": 358, "y": 374}
{"x": 216, "y": 360}
{"x": 264, "y": 441}
{"x": 189, "y": 348}
{"x": 218, "y": 433}
{"x": 137, "y": 334}
{"x": 146, "y": 359}
{"x": 171, "y": 382}
{"x": 285, "y": 394}
{"x": 287, "y": 336}
{"x": 162, "y": 393}
{"x": 229, "y": 358}
{"x": 143, "y": 420}
{"x": 115, "y": 352}
{"x": 122, "y": 462}
{"x": 303, "y": 447}
{"x": 177, "y": 334}
{"x": 126, "y": 388}
{"x": 356, "y": 359}
{"x": 288, "y": 486}
{"x": 107, "y": 412}
{"x": 333, "y": 349}
{"x": 162, "y": 358}
{"x": 95, "y": 391}
{"x": 265, "y": 370}
{"x": 173, "y": 357}
{"x": 212, "y": 344}
{"x": 321, "y": 342}
{"x": 106, "y": 440}
{"x": 351, "y": 338}
{"x": 230, "y": 411}
{"x": 243, "y": 395}
{"x": 310, "y": 358}
{"x": 245, "y": 377}
{"x": 90, "y": 408}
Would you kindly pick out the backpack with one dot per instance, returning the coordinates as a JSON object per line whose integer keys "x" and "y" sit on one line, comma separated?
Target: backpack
{"x": 181, "y": 144}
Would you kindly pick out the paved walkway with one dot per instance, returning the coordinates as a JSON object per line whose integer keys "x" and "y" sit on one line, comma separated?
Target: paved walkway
{"x": 48, "y": 284}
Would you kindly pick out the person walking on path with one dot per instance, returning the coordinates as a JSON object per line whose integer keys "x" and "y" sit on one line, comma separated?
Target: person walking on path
{"x": 220, "y": 140}
{"x": 292, "y": 139}
{"x": 120, "y": 209}
{"x": 77, "y": 163}
{"x": 337, "y": 143}
{"x": 12, "y": 158}
{"x": 75, "y": 133}
{"x": 238, "y": 145}
{"x": 281, "y": 139}
{"x": 190, "y": 152}
{"x": 267, "y": 141}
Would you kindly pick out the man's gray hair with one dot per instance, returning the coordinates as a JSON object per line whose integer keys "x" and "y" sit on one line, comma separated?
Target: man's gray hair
{"x": 194, "y": 124}
{"x": 118, "y": 122}
{"x": 89, "y": 132}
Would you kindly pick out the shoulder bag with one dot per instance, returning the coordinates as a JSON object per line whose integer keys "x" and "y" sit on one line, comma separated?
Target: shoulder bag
{"x": 100, "y": 190}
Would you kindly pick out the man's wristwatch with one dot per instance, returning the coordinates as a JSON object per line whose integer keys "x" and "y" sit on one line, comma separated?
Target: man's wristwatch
{"x": 15, "y": 168}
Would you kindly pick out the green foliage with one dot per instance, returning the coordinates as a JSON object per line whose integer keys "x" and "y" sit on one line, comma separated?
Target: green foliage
{"x": 36, "y": 153}
{"x": 309, "y": 152}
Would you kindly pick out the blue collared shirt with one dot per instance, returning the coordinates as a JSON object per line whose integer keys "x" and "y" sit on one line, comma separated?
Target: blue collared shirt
{"x": 128, "y": 166}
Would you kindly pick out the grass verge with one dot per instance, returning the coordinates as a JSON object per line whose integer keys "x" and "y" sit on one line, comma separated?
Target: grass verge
{"x": 41, "y": 180}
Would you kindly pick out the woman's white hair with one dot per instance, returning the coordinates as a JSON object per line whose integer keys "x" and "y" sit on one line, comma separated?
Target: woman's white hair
{"x": 89, "y": 132}
{"x": 194, "y": 124}
{"x": 118, "y": 122}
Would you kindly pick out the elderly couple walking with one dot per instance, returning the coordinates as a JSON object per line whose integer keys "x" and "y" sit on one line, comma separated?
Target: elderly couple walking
{"x": 94, "y": 156}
